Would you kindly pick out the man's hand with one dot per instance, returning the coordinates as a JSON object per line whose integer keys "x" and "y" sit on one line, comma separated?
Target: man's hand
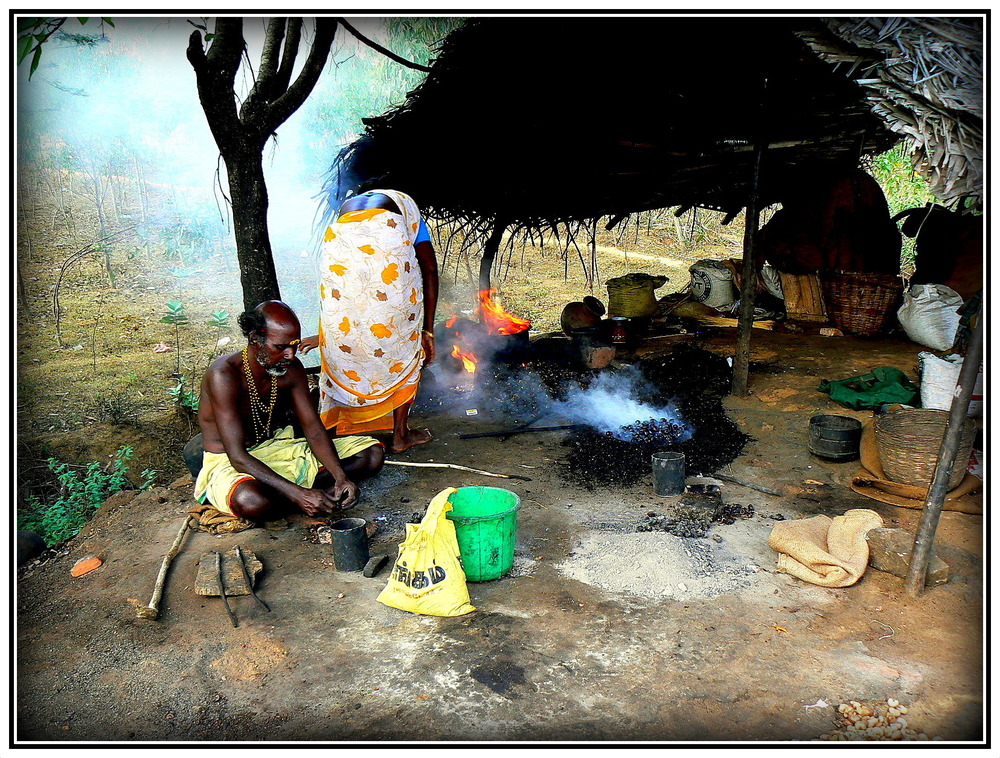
{"x": 308, "y": 343}
{"x": 343, "y": 493}
{"x": 314, "y": 502}
{"x": 340, "y": 496}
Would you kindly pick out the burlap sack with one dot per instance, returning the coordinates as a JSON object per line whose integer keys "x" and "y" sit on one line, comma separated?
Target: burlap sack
{"x": 830, "y": 552}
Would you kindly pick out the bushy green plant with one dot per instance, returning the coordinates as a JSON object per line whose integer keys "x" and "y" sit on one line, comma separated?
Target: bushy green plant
{"x": 81, "y": 494}
{"x": 184, "y": 397}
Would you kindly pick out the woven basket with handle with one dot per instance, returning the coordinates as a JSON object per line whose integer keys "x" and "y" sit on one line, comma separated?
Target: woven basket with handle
{"x": 861, "y": 304}
{"x": 909, "y": 441}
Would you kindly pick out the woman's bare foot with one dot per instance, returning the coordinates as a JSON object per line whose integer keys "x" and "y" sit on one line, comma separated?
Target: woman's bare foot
{"x": 410, "y": 438}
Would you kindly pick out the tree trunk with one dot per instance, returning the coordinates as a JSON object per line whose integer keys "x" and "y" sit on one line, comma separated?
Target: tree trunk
{"x": 490, "y": 252}
{"x": 140, "y": 177}
{"x": 253, "y": 244}
{"x": 241, "y": 131}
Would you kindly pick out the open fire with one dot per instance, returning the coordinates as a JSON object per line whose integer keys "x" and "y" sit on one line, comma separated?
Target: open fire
{"x": 496, "y": 319}
{"x": 468, "y": 359}
{"x": 472, "y": 342}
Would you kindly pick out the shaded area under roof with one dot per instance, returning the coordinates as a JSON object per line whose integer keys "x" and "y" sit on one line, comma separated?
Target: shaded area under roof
{"x": 542, "y": 120}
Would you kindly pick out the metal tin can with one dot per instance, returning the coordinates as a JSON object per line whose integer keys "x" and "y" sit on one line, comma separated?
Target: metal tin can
{"x": 619, "y": 330}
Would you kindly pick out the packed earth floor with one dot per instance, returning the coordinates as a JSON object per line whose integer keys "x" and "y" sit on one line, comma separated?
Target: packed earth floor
{"x": 602, "y": 631}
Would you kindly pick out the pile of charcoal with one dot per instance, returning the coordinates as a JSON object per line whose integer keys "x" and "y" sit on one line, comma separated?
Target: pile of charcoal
{"x": 621, "y": 458}
{"x": 677, "y": 526}
{"x": 694, "y": 380}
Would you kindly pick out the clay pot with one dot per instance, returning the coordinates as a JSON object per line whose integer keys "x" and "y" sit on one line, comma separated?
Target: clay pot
{"x": 577, "y": 315}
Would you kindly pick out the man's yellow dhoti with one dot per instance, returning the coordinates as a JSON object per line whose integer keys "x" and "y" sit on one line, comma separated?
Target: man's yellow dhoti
{"x": 286, "y": 455}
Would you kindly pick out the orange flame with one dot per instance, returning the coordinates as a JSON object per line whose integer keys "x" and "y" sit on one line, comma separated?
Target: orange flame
{"x": 468, "y": 359}
{"x": 450, "y": 322}
{"x": 496, "y": 319}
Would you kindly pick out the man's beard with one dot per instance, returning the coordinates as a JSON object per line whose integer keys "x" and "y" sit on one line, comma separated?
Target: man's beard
{"x": 278, "y": 369}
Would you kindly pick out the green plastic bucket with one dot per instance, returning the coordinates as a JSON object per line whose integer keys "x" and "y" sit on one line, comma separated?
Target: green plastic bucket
{"x": 486, "y": 526}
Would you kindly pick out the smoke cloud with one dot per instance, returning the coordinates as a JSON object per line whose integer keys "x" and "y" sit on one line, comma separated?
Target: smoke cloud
{"x": 127, "y": 102}
{"x": 612, "y": 403}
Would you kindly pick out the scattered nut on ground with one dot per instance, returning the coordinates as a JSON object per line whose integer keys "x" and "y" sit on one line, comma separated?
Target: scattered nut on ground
{"x": 872, "y": 720}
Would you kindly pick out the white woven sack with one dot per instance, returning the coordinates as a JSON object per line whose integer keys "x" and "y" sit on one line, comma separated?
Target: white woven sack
{"x": 712, "y": 284}
{"x": 772, "y": 280}
{"x": 929, "y": 315}
{"x": 938, "y": 379}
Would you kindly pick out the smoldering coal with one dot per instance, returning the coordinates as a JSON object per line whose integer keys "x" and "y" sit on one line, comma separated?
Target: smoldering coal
{"x": 614, "y": 404}
{"x": 690, "y": 380}
{"x": 622, "y": 457}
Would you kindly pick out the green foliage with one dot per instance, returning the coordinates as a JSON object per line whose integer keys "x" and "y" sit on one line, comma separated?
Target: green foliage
{"x": 81, "y": 494}
{"x": 176, "y": 316}
{"x": 183, "y": 397}
{"x": 219, "y": 319}
{"x": 175, "y": 313}
{"x": 363, "y": 83}
{"x": 903, "y": 186}
{"x": 33, "y": 33}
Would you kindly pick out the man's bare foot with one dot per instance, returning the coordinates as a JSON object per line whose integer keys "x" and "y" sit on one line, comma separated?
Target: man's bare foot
{"x": 411, "y": 438}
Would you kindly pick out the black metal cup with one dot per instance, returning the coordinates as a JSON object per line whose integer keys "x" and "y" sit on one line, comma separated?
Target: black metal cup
{"x": 350, "y": 544}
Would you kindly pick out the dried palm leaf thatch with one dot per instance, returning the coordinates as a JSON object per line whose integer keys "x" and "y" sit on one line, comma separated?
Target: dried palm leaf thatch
{"x": 924, "y": 77}
{"x": 543, "y": 125}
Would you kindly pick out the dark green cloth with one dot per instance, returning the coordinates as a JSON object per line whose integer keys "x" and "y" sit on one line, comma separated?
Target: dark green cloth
{"x": 883, "y": 385}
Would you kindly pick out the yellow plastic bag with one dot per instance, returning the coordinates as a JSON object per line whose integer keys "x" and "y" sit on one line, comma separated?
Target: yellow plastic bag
{"x": 428, "y": 577}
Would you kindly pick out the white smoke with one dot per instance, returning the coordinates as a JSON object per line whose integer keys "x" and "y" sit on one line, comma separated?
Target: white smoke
{"x": 613, "y": 402}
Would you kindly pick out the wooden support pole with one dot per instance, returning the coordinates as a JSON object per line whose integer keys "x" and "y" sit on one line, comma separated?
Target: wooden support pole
{"x": 748, "y": 287}
{"x": 490, "y": 252}
{"x": 923, "y": 545}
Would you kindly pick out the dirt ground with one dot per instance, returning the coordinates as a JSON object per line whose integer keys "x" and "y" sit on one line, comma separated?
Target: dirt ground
{"x": 564, "y": 649}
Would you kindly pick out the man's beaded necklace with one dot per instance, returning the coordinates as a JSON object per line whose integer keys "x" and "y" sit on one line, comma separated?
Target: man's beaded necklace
{"x": 257, "y": 409}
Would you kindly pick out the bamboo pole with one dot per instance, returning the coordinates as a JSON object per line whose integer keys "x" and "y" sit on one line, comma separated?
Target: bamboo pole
{"x": 923, "y": 545}
{"x": 748, "y": 287}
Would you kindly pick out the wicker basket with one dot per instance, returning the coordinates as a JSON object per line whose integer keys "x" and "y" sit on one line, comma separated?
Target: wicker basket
{"x": 861, "y": 304}
{"x": 909, "y": 441}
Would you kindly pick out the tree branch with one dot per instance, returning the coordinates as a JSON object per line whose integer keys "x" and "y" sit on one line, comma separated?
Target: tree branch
{"x": 285, "y": 105}
{"x": 227, "y": 47}
{"x": 289, "y": 54}
{"x": 269, "y": 56}
{"x": 385, "y": 51}
{"x": 215, "y": 74}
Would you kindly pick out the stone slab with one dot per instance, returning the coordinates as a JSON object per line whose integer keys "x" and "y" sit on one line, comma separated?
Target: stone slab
{"x": 890, "y": 549}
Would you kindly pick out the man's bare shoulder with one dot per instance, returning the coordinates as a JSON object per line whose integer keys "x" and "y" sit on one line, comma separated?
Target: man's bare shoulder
{"x": 225, "y": 368}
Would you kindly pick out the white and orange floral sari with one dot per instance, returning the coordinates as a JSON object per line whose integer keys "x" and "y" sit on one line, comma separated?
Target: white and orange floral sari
{"x": 371, "y": 316}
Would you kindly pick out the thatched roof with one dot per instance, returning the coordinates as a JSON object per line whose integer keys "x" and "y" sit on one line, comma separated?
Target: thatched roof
{"x": 542, "y": 120}
{"x": 924, "y": 79}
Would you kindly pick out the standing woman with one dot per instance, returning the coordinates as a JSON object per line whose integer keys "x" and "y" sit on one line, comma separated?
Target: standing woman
{"x": 378, "y": 295}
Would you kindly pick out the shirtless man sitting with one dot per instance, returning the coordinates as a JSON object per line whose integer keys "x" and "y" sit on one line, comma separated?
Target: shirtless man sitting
{"x": 253, "y": 468}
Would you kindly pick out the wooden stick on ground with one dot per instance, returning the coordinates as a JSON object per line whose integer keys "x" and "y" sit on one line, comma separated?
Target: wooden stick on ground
{"x": 748, "y": 485}
{"x": 460, "y": 468}
{"x": 152, "y": 611}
